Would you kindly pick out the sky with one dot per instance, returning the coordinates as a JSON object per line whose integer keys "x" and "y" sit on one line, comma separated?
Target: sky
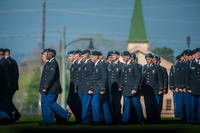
{"x": 167, "y": 22}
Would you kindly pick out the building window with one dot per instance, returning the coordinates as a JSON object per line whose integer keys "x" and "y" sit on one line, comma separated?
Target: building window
{"x": 168, "y": 104}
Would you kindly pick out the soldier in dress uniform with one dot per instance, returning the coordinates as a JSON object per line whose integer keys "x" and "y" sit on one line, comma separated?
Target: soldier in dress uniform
{"x": 172, "y": 87}
{"x": 152, "y": 88}
{"x": 130, "y": 78}
{"x": 13, "y": 76}
{"x": 85, "y": 71}
{"x": 97, "y": 88}
{"x": 74, "y": 100}
{"x": 50, "y": 88}
{"x": 4, "y": 116}
{"x": 114, "y": 73}
{"x": 163, "y": 71}
{"x": 193, "y": 82}
{"x": 180, "y": 85}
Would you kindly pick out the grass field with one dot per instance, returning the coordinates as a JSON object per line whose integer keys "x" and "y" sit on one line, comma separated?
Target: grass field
{"x": 30, "y": 124}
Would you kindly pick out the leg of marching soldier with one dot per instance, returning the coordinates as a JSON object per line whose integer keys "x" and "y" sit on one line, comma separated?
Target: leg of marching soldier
{"x": 182, "y": 104}
{"x": 188, "y": 100}
{"x": 126, "y": 110}
{"x": 159, "y": 103}
{"x": 43, "y": 107}
{"x": 57, "y": 109}
{"x": 116, "y": 106}
{"x": 106, "y": 110}
{"x": 198, "y": 109}
{"x": 95, "y": 103}
{"x": 138, "y": 107}
{"x": 176, "y": 113}
{"x": 86, "y": 100}
{"x": 50, "y": 98}
{"x": 193, "y": 109}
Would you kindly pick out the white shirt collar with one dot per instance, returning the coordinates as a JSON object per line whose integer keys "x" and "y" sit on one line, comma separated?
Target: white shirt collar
{"x": 51, "y": 59}
{"x": 86, "y": 60}
{"x": 128, "y": 62}
{"x": 97, "y": 62}
{"x": 116, "y": 62}
{"x": 79, "y": 61}
{"x": 73, "y": 61}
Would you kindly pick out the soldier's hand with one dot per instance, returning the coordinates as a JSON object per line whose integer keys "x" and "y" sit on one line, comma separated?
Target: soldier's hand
{"x": 90, "y": 92}
{"x": 102, "y": 92}
{"x": 44, "y": 90}
{"x": 133, "y": 92}
{"x": 160, "y": 92}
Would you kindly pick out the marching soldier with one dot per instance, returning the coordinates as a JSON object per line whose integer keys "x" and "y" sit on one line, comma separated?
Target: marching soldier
{"x": 114, "y": 73}
{"x": 97, "y": 88}
{"x": 50, "y": 88}
{"x": 193, "y": 82}
{"x": 172, "y": 87}
{"x": 13, "y": 76}
{"x": 74, "y": 100}
{"x": 152, "y": 88}
{"x": 180, "y": 86}
{"x": 4, "y": 116}
{"x": 85, "y": 71}
{"x": 130, "y": 77}
{"x": 163, "y": 71}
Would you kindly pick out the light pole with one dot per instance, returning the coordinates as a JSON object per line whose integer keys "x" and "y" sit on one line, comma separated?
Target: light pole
{"x": 188, "y": 40}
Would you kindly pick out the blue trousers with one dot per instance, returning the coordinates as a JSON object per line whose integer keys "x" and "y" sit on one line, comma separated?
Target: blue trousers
{"x": 85, "y": 101}
{"x": 51, "y": 108}
{"x": 115, "y": 104}
{"x": 176, "y": 105}
{"x": 74, "y": 103}
{"x": 188, "y": 106}
{"x": 95, "y": 106}
{"x": 135, "y": 102}
{"x": 195, "y": 109}
{"x": 3, "y": 114}
{"x": 105, "y": 107}
{"x": 159, "y": 101}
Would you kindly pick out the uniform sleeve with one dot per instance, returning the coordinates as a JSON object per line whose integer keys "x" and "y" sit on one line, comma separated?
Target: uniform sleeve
{"x": 165, "y": 76}
{"x": 171, "y": 78}
{"x": 137, "y": 75}
{"x": 187, "y": 76}
{"x": 160, "y": 79}
{"x": 103, "y": 77}
{"x": 50, "y": 74}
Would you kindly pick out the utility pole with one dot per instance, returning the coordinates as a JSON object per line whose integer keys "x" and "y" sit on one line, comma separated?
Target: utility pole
{"x": 63, "y": 71}
{"x": 188, "y": 40}
{"x": 42, "y": 46}
{"x": 43, "y": 23}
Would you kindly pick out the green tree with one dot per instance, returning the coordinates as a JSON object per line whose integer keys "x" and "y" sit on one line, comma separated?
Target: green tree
{"x": 165, "y": 52}
{"x": 32, "y": 95}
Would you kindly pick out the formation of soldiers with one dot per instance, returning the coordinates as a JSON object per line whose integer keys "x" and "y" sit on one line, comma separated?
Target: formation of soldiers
{"x": 97, "y": 86}
{"x": 185, "y": 84}
{"x": 9, "y": 76}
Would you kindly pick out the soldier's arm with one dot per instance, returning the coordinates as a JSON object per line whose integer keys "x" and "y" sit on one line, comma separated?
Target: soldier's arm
{"x": 137, "y": 76}
{"x": 187, "y": 77}
{"x": 50, "y": 75}
{"x": 160, "y": 79}
{"x": 171, "y": 78}
{"x": 103, "y": 77}
{"x": 165, "y": 80}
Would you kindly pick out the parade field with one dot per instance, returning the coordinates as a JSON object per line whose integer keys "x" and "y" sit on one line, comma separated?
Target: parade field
{"x": 30, "y": 124}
